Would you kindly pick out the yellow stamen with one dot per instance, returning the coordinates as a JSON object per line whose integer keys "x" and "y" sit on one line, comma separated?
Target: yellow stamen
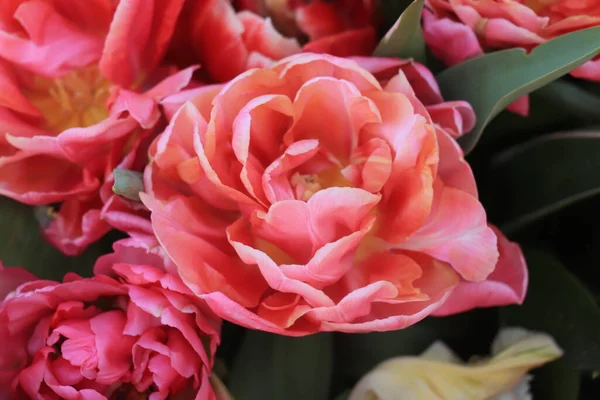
{"x": 74, "y": 100}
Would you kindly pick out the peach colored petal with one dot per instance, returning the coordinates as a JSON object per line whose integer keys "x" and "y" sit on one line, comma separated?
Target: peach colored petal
{"x": 275, "y": 180}
{"x": 204, "y": 266}
{"x": 301, "y": 68}
{"x": 225, "y": 184}
{"x": 238, "y": 236}
{"x": 406, "y": 203}
{"x": 257, "y": 131}
{"x": 437, "y": 282}
{"x": 401, "y": 128}
{"x": 370, "y": 165}
{"x": 46, "y": 52}
{"x": 506, "y": 285}
{"x": 260, "y": 36}
{"x": 138, "y": 37}
{"x": 347, "y": 109}
{"x": 453, "y": 170}
{"x": 201, "y": 97}
{"x": 284, "y": 309}
{"x": 457, "y": 233}
{"x": 327, "y": 216}
{"x": 228, "y": 309}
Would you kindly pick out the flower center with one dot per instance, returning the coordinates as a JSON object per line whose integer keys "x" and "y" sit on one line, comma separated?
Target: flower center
{"x": 74, "y": 100}
{"x": 306, "y": 185}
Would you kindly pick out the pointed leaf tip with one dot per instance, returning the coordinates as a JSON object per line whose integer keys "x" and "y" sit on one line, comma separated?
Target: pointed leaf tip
{"x": 405, "y": 37}
{"x": 493, "y": 81}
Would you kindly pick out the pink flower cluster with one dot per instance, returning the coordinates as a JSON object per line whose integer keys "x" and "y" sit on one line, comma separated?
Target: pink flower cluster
{"x": 293, "y": 183}
{"x": 132, "y": 328}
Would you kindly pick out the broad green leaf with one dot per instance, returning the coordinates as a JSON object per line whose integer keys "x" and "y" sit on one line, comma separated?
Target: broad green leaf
{"x": 405, "y": 37}
{"x": 556, "y": 381}
{"x": 580, "y": 104}
{"x": 559, "y": 305}
{"x": 128, "y": 183}
{"x": 528, "y": 182}
{"x": 556, "y": 106}
{"x": 21, "y": 244}
{"x": 492, "y": 81}
{"x": 279, "y": 367}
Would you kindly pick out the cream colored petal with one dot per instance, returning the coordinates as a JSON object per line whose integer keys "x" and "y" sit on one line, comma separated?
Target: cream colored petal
{"x": 519, "y": 392}
{"x": 417, "y": 378}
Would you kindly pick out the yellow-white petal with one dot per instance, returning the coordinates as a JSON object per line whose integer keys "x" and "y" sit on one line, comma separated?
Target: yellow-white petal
{"x": 439, "y": 375}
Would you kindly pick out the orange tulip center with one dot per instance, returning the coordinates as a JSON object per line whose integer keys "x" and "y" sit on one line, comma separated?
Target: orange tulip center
{"x": 74, "y": 100}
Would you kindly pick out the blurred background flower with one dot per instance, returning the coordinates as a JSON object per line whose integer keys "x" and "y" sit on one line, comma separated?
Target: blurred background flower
{"x": 438, "y": 374}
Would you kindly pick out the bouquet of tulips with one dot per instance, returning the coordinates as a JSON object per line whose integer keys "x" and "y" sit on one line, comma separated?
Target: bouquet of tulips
{"x": 299, "y": 199}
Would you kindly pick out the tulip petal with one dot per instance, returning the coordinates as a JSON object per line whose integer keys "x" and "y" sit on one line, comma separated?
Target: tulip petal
{"x": 506, "y": 285}
{"x": 438, "y": 374}
{"x": 457, "y": 233}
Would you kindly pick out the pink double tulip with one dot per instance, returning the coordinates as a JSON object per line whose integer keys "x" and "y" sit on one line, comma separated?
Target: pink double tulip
{"x": 327, "y": 194}
{"x": 133, "y": 329}
{"x": 77, "y": 99}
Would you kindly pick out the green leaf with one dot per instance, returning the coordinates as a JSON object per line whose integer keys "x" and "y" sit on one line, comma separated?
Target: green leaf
{"x": 528, "y": 182}
{"x": 128, "y": 183}
{"x": 279, "y": 367}
{"x": 558, "y": 304}
{"x": 405, "y": 37}
{"x": 493, "y": 81}
{"x": 580, "y": 104}
{"x": 21, "y": 244}
{"x": 558, "y": 105}
{"x": 556, "y": 381}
